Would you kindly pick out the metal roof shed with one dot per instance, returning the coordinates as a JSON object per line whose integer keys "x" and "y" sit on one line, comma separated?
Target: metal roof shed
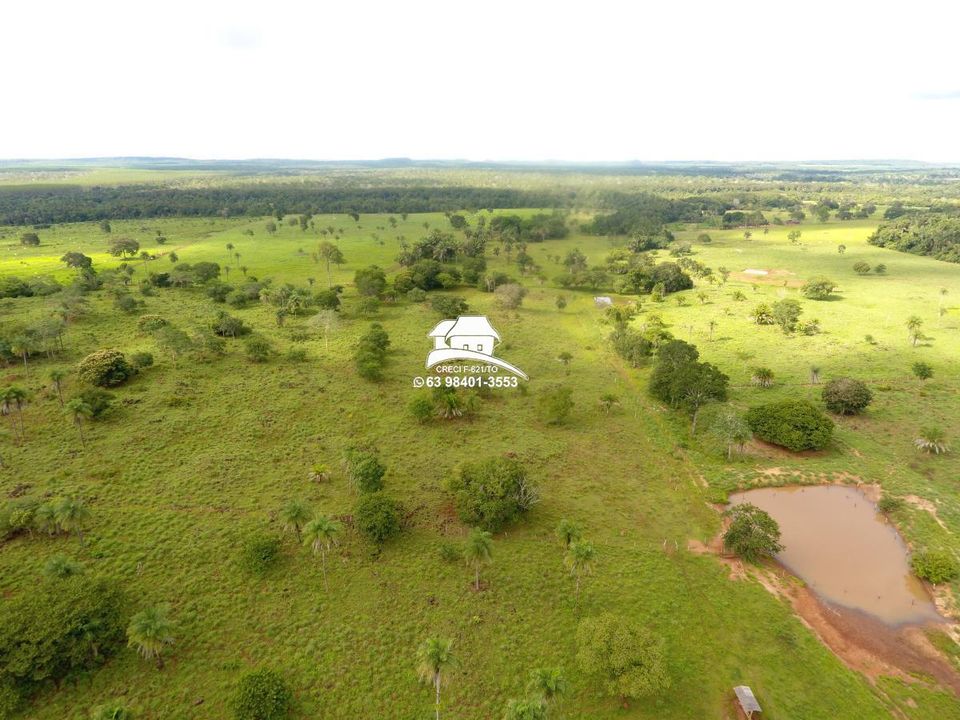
{"x": 748, "y": 703}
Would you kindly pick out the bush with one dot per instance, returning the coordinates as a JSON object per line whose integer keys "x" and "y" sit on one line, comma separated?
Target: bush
{"x": 260, "y": 553}
{"x": 371, "y": 353}
{"x": 150, "y": 323}
{"x": 258, "y": 349}
{"x": 378, "y": 517}
{"x": 846, "y": 396}
{"x": 922, "y": 370}
{"x": 46, "y": 632}
{"x": 861, "y": 268}
{"x": 818, "y": 288}
{"x": 297, "y": 355}
{"x": 889, "y": 504}
{"x": 794, "y": 424}
{"x": 935, "y": 567}
{"x": 416, "y": 295}
{"x": 493, "y": 493}
{"x": 105, "y": 368}
{"x": 421, "y": 408}
{"x": 226, "y": 325}
{"x": 100, "y": 401}
{"x": 449, "y": 306}
{"x": 450, "y": 553}
{"x": 262, "y": 695}
{"x": 142, "y": 360}
{"x": 622, "y": 657}
{"x": 366, "y": 470}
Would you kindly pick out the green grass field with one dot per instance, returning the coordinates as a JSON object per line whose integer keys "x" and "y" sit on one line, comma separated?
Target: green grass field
{"x": 198, "y": 457}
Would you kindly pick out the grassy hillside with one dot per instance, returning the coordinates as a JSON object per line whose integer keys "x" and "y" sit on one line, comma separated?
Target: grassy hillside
{"x": 199, "y": 457}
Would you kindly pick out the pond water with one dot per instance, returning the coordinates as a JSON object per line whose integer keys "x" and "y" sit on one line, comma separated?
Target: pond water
{"x": 835, "y": 540}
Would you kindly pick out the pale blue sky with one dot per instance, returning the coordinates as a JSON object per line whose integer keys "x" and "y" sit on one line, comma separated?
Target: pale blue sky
{"x": 495, "y": 80}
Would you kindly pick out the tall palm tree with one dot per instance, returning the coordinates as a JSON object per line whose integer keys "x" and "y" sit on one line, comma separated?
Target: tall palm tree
{"x": 568, "y": 532}
{"x": 150, "y": 631}
{"x": 579, "y": 560}
{"x": 16, "y": 397}
{"x": 71, "y": 514}
{"x": 479, "y": 551}
{"x": 321, "y": 535}
{"x": 57, "y": 377}
{"x": 79, "y": 410}
{"x": 294, "y": 514}
{"x": 433, "y": 656}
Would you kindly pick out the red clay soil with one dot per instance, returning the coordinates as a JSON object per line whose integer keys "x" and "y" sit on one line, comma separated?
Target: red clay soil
{"x": 862, "y": 642}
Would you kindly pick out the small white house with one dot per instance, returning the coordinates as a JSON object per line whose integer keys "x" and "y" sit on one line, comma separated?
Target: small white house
{"x": 467, "y": 332}
{"x": 472, "y": 332}
{"x": 439, "y": 334}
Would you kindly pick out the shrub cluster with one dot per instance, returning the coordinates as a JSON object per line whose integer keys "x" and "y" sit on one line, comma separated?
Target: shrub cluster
{"x": 846, "y": 396}
{"x": 47, "y": 633}
{"x": 793, "y": 424}
{"x": 371, "y": 353}
{"x": 493, "y": 493}
{"x": 105, "y": 368}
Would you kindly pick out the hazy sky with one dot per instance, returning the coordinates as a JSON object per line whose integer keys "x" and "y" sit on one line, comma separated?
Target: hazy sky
{"x": 592, "y": 80}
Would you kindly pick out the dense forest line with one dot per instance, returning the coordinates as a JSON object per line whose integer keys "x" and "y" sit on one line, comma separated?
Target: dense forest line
{"x": 23, "y": 205}
{"x": 933, "y": 234}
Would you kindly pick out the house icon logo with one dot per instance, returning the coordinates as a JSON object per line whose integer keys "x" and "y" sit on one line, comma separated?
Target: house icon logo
{"x": 469, "y": 337}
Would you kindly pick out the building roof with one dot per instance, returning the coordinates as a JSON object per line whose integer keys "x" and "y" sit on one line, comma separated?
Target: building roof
{"x": 747, "y": 701}
{"x": 471, "y": 325}
{"x": 442, "y": 328}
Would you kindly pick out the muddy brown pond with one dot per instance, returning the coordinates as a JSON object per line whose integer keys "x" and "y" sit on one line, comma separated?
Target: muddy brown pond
{"x": 835, "y": 540}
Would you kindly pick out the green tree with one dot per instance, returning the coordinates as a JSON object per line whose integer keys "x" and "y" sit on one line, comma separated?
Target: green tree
{"x": 150, "y": 632}
{"x": 378, "y": 517}
{"x": 105, "y": 368}
{"x": 321, "y": 534}
{"x": 752, "y": 533}
{"x": 818, "y": 288}
{"x": 331, "y": 255}
{"x": 730, "y": 429}
{"x": 624, "y": 658}
{"x": 478, "y": 552}
{"x": 294, "y": 515}
{"x": 846, "y": 396}
{"x": 785, "y": 313}
{"x": 914, "y": 324}
{"x": 861, "y": 268}
{"x": 493, "y": 493}
{"x": 434, "y": 656}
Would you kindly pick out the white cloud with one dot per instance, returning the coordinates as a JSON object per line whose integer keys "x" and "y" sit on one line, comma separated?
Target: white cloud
{"x": 603, "y": 80}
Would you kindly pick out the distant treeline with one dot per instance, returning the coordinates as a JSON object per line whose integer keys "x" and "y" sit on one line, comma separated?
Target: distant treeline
{"x": 934, "y": 234}
{"x": 37, "y": 205}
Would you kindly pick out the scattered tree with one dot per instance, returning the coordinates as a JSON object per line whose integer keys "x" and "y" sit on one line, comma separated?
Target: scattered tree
{"x": 150, "y": 631}
{"x": 752, "y": 533}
